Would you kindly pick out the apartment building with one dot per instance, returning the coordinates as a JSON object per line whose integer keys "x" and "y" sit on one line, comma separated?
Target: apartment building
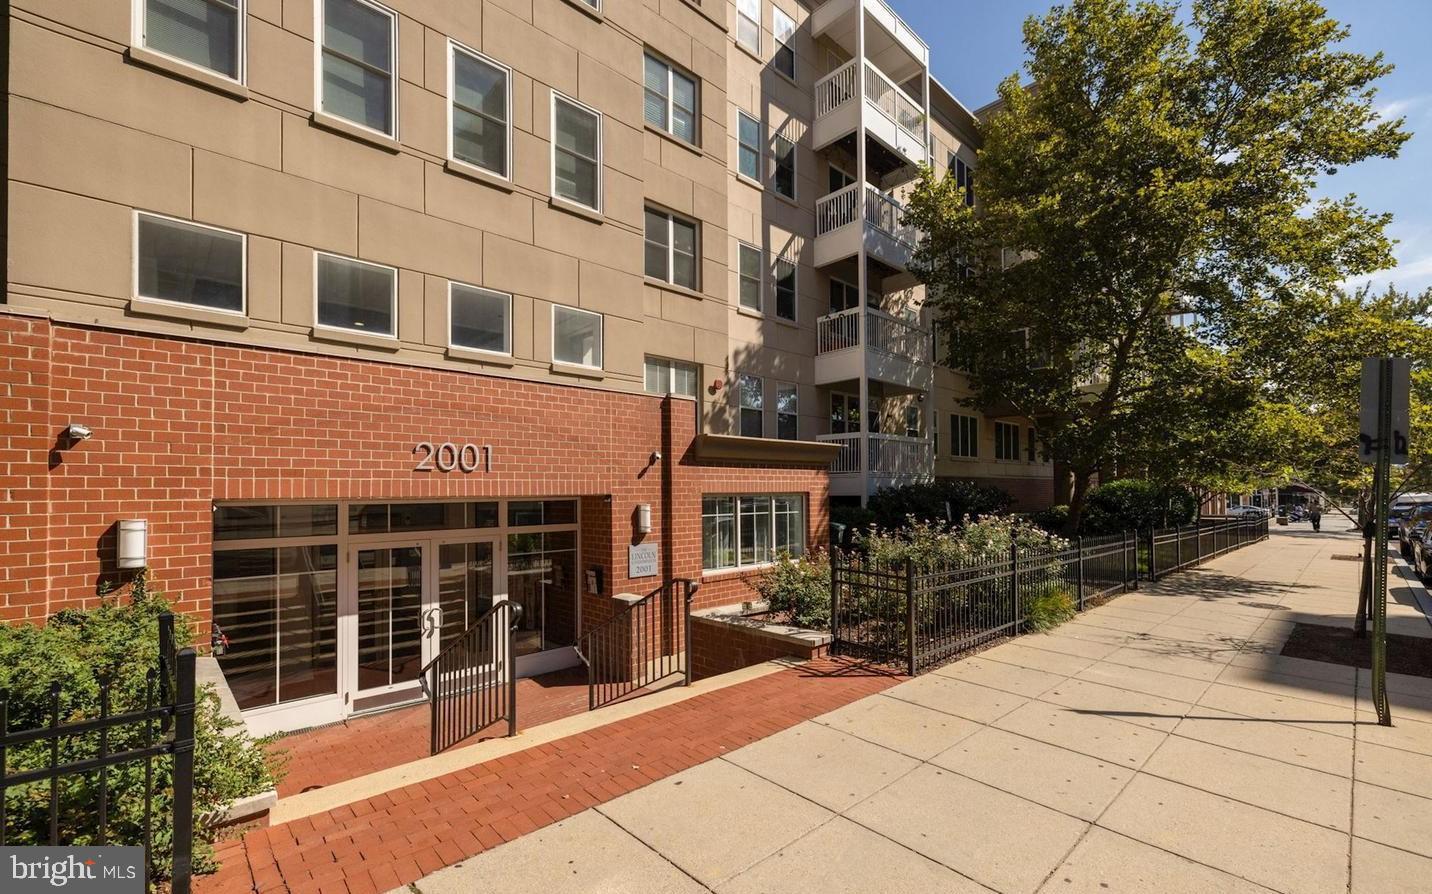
{"x": 346, "y": 320}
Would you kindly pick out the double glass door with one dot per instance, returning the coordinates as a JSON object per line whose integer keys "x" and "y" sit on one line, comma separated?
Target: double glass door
{"x": 411, "y": 599}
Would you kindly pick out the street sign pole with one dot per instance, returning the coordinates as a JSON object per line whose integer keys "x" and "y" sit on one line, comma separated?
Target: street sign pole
{"x": 1381, "y": 473}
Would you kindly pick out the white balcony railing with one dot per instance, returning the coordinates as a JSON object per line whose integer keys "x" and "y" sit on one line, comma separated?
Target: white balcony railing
{"x": 894, "y": 103}
{"x": 902, "y": 30}
{"x": 835, "y": 89}
{"x": 898, "y": 337}
{"x": 891, "y": 456}
{"x": 837, "y": 331}
{"x": 888, "y": 216}
{"x": 837, "y": 209}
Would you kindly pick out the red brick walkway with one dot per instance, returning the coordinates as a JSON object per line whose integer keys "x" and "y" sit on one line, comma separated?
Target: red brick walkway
{"x": 398, "y": 837}
{"x": 330, "y": 754}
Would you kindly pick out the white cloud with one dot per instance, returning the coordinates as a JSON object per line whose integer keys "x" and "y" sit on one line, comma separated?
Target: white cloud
{"x": 1406, "y": 106}
{"x": 1413, "y": 271}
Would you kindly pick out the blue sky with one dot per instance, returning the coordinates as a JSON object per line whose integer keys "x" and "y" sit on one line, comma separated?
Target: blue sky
{"x": 976, "y": 43}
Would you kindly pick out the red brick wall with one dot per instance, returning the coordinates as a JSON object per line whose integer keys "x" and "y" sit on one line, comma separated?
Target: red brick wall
{"x": 719, "y": 648}
{"x": 180, "y": 423}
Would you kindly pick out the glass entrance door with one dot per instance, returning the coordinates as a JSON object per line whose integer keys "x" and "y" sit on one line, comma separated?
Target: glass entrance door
{"x": 394, "y": 620}
{"x": 466, "y": 579}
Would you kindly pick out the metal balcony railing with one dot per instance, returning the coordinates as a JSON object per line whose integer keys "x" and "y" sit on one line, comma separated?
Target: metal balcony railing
{"x": 835, "y": 89}
{"x": 838, "y": 209}
{"x": 894, "y": 103}
{"x": 837, "y": 331}
{"x": 886, "y": 333}
{"x": 888, "y": 216}
{"x": 902, "y": 30}
{"x": 891, "y": 456}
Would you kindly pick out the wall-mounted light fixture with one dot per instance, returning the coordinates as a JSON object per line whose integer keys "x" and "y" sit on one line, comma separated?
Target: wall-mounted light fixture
{"x": 643, "y": 518}
{"x": 133, "y": 551}
{"x": 76, "y": 431}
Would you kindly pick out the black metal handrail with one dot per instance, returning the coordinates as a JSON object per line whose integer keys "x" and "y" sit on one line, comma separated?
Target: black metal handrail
{"x": 640, "y": 645}
{"x": 169, "y": 702}
{"x": 472, "y": 682}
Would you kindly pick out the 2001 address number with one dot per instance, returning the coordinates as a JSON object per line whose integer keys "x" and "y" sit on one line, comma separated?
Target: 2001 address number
{"x": 450, "y": 457}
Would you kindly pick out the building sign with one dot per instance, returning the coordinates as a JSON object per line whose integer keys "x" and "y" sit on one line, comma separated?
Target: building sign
{"x": 450, "y": 457}
{"x": 641, "y": 560}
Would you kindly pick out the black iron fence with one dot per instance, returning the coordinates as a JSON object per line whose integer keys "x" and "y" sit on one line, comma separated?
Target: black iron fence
{"x": 472, "y": 682}
{"x": 37, "y": 805}
{"x": 644, "y": 643}
{"x": 916, "y": 617}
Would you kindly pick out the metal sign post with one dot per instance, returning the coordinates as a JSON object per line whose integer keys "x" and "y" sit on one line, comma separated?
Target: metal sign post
{"x": 1384, "y": 423}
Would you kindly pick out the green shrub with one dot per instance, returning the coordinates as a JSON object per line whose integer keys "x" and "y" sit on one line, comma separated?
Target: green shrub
{"x": 798, "y": 590}
{"x": 118, "y": 639}
{"x": 931, "y": 545}
{"x": 944, "y": 501}
{"x": 1133, "y": 504}
{"x": 852, "y": 520}
{"x": 1055, "y": 519}
{"x": 1049, "y": 608}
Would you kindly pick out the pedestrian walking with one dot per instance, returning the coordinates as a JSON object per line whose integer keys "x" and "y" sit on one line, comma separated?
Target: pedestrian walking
{"x": 1315, "y": 515}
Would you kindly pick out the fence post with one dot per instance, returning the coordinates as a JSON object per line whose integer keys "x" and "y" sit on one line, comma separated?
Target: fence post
{"x": 1079, "y": 562}
{"x": 834, "y": 601}
{"x": 1014, "y": 586}
{"x": 689, "y": 589}
{"x": 184, "y": 772}
{"x": 1124, "y": 554}
{"x": 1153, "y": 551}
{"x": 1177, "y": 547}
{"x": 910, "y": 614}
{"x": 511, "y": 668}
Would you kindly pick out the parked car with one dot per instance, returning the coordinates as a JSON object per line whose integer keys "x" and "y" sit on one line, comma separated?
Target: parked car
{"x": 1412, "y": 530}
{"x": 1422, "y": 559}
{"x": 1248, "y": 512}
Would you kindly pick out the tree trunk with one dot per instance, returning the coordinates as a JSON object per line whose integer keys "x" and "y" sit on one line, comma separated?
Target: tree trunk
{"x": 1076, "y": 499}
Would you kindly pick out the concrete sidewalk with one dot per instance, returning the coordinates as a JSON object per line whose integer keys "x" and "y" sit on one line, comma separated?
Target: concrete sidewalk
{"x": 1156, "y": 744}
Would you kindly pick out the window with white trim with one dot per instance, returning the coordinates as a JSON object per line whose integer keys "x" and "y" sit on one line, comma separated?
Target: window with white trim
{"x": 784, "y": 153}
{"x": 750, "y": 391}
{"x": 207, "y": 34}
{"x": 787, "y": 415}
{"x": 671, "y": 248}
{"x": 785, "y": 280}
{"x": 964, "y": 178}
{"x": 912, "y": 421}
{"x": 783, "y": 29}
{"x": 480, "y": 111}
{"x": 670, "y": 99}
{"x": 576, "y": 337}
{"x": 1006, "y": 441}
{"x": 665, "y": 376}
{"x": 740, "y": 531}
{"x": 186, "y": 263}
{"x": 748, "y": 146}
{"x": 964, "y": 436}
{"x": 748, "y": 25}
{"x": 479, "y": 319}
{"x": 576, "y": 152}
{"x": 749, "y": 272}
{"x": 358, "y": 55}
{"x": 355, "y": 295}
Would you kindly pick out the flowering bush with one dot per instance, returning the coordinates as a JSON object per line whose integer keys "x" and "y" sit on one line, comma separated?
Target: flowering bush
{"x": 932, "y": 545}
{"x": 798, "y": 590}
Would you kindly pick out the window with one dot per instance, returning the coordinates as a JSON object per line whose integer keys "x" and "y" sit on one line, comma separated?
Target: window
{"x": 750, "y": 391}
{"x": 480, "y": 109}
{"x": 785, "y": 154}
{"x": 750, "y": 275}
{"x": 750, "y": 530}
{"x": 748, "y": 25}
{"x": 576, "y": 336}
{"x": 188, "y": 264}
{"x": 208, "y": 34}
{"x": 964, "y": 178}
{"x": 1030, "y": 448}
{"x": 1006, "y": 441}
{"x": 479, "y": 319}
{"x": 787, "y": 418}
{"x": 357, "y": 56}
{"x": 395, "y": 518}
{"x": 670, "y": 377}
{"x": 844, "y": 413}
{"x": 748, "y": 148}
{"x": 671, "y": 254}
{"x": 355, "y": 295}
{"x": 912, "y": 421}
{"x": 843, "y": 296}
{"x": 783, "y": 28}
{"x": 964, "y": 435}
{"x": 233, "y": 522}
{"x": 785, "y": 278}
{"x": 837, "y": 179}
{"x": 670, "y": 100}
{"x": 576, "y": 152}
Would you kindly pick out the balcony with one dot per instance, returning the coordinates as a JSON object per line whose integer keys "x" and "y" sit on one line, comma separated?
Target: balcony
{"x": 889, "y": 42}
{"x": 847, "y": 217}
{"x": 892, "y": 116}
{"x": 894, "y": 460}
{"x": 898, "y": 352}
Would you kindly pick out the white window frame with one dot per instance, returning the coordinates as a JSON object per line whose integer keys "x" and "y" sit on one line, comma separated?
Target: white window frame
{"x": 454, "y": 47}
{"x": 672, "y": 70}
{"x": 794, "y": 390}
{"x": 760, "y": 147}
{"x": 134, "y": 265}
{"x": 795, "y": 167}
{"x": 760, "y": 308}
{"x": 955, "y": 436}
{"x": 507, "y": 327}
{"x": 552, "y": 161}
{"x": 392, "y": 297}
{"x": 741, "y": 407}
{"x": 318, "y": 68}
{"x": 736, "y": 32}
{"x": 671, "y": 366}
{"x": 671, "y": 218}
{"x": 776, "y": 288}
{"x": 601, "y": 337}
{"x": 736, "y": 499}
{"x": 140, "y": 18}
{"x": 779, "y": 45}
{"x": 1002, "y": 443}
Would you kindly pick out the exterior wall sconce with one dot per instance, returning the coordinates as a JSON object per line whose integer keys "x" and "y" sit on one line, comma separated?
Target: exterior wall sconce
{"x": 133, "y": 549}
{"x": 643, "y": 518}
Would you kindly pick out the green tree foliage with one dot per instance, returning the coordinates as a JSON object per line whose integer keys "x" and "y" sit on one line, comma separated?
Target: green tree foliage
{"x": 936, "y": 501}
{"x": 797, "y": 590}
{"x": 1146, "y": 212}
{"x": 1132, "y": 504}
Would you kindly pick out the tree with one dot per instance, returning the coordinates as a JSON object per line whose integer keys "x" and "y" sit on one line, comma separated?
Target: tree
{"x": 1157, "y": 173}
